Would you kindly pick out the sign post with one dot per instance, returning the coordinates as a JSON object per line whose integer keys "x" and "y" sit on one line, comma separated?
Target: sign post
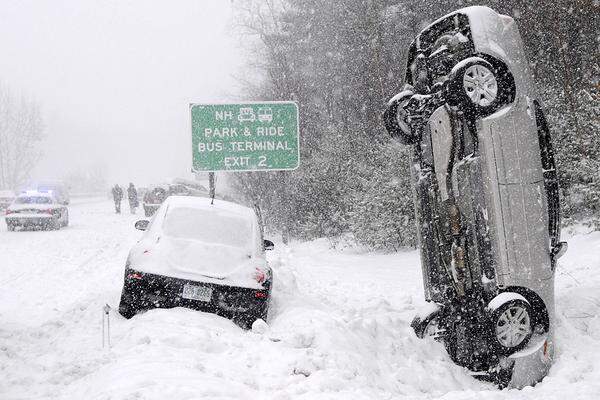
{"x": 262, "y": 136}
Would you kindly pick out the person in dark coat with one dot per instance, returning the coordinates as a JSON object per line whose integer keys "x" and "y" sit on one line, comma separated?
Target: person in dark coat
{"x": 132, "y": 196}
{"x": 117, "y": 193}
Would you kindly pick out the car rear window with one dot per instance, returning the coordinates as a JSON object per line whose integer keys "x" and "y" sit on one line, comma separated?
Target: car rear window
{"x": 209, "y": 226}
{"x": 33, "y": 200}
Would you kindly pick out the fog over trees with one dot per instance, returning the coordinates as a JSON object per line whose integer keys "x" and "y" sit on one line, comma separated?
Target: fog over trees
{"x": 21, "y": 130}
{"x": 341, "y": 61}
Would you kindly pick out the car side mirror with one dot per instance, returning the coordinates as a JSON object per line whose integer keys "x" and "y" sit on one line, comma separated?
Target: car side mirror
{"x": 142, "y": 224}
{"x": 559, "y": 250}
{"x": 268, "y": 245}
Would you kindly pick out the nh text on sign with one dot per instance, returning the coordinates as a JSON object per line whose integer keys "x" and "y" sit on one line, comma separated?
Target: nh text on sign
{"x": 245, "y": 137}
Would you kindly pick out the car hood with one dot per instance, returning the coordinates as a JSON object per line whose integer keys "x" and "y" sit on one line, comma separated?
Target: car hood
{"x": 195, "y": 260}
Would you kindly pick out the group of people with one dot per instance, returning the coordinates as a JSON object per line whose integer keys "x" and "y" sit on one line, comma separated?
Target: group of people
{"x": 132, "y": 196}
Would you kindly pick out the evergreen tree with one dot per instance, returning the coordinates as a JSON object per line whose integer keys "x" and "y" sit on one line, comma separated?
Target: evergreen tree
{"x": 341, "y": 61}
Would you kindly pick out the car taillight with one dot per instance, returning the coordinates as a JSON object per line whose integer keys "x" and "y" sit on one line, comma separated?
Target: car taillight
{"x": 134, "y": 275}
{"x": 261, "y": 295}
{"x": 48, "y": 211}
{"x": 259, "y": 275}
{"x": 8, "y": 212}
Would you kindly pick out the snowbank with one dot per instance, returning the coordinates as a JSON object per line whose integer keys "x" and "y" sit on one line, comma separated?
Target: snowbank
{"x": 338, "y": 328}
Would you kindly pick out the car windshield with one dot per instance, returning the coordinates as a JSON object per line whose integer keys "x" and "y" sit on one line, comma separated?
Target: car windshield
{"x": 209, "y": 226}
{"x": 33, "y": 200}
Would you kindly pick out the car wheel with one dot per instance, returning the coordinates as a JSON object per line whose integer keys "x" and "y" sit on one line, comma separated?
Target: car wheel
{"x": 480, "y": 87}
{"x": 427, "y": 326}
{"x": 395, "y": 119}
{"x": 511, "y": 325}
{"x": 10, "y": 227}
{"x": 245, "y": 320}
{"x": 66, "y": 219}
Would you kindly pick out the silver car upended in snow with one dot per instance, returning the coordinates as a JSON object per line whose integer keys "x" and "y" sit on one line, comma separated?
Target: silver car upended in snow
{"x": 486, "y": 195}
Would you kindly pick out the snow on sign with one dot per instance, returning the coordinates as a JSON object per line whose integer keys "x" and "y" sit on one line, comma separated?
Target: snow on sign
{"x": 245, "y": 137}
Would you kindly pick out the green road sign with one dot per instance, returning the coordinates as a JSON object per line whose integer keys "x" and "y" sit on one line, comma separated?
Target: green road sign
{"x": 245, "y": 137}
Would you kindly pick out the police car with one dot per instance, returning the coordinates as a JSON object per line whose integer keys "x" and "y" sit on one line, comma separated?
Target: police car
{"x": 35, "y": 209}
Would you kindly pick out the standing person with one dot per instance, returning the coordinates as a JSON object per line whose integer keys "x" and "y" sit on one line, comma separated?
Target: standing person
{"x": 133, "y": 198}
{"x": 117, "y": 193}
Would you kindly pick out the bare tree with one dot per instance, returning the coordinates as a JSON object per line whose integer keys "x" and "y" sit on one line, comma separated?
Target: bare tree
{"x": 20, "y": 132}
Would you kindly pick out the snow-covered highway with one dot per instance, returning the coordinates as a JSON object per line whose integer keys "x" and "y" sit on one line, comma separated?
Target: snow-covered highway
{"x": 338, "y": 326}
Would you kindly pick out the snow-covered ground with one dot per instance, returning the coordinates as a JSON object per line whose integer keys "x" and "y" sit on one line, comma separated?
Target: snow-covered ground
{"x": 339, "y": 326}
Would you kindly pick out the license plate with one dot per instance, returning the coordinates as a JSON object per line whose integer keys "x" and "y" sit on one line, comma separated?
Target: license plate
{"x": 200, "y": 293}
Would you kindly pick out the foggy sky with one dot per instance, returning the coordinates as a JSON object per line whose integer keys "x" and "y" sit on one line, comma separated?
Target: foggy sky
{"x": 114, "y": 79}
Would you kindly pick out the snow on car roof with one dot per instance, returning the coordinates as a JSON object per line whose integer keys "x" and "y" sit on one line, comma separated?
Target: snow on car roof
{"x": 204, "y": 203}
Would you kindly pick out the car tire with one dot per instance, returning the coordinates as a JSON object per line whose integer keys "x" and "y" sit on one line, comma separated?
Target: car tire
{"x": 10, "y": 227}
{"x": 395, "y": 119}
{"x": 511, "y": 325}
{"x": 66, "y": 222}
{"x": 423, "y": 327}
{"x": 480, "y": 87}
{"x": 244, "y": 321}
{"x": 247, "y": 319}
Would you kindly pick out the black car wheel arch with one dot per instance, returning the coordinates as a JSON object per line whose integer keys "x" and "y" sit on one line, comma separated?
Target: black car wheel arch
{"x": 399, "y": 130}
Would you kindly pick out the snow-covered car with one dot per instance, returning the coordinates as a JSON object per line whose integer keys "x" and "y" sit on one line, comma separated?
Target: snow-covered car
{"x": 486, "y": 195}
{"x": 179, "y": 190}
{"x": 204, "y": 255}
{"x": 6, "y": 198}
{"x": 155, "y": 196}
{"x": 153, "y": 199}
{"x": 36, "y": 209}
